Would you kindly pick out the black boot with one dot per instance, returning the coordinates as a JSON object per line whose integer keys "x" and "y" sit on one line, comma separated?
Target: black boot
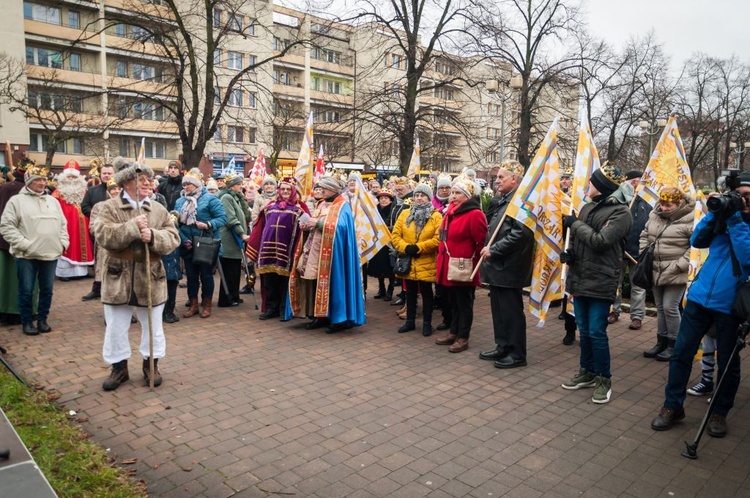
{"x": 407, "y": 326}
{"x": 381, "y": 289}
{"x": 661, "y": 345}
{"x": 668, "y": 351}
{"x": 117, "y": 376}
{"x": 426, "y": 329}
{"x": 389, "y": 291}
{"x": 570, "y": 337}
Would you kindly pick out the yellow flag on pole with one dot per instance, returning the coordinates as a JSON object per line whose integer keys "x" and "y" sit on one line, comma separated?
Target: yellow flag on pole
{"x": 697, "y": 256}
{"x": 414, "y": 164}
{"x": 142, "y": 152}
{"x": 305, "y": 168}
{"x": 587, "y": 160}
{"x": 537, "y": 204}
{"x": 372, "y": 232}
{"x": 667, "y": 166}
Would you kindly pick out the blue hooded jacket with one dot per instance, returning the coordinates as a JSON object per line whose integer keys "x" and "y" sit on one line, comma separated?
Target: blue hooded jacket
{"x": 715, "y": 285}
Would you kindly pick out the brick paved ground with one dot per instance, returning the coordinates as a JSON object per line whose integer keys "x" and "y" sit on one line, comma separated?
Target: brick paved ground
{"x": 251, "y": 408}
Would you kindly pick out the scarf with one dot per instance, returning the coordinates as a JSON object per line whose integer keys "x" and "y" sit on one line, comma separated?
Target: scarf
{"x": 292, "y": 201}
{"x": 189, "y": 211}
{"x": 419, "y": 214}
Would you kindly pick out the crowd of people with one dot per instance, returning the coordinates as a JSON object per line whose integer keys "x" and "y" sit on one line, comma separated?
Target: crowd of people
{"x": 141, "y": 234}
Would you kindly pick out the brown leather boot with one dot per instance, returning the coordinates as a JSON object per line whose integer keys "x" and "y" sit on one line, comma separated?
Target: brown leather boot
{"x": 117, "y": 376}
{"x": 460, "y": 345}
{"x": 446, "y": 339}
{"x": 193, "y": 309}
{"x": 206, "y": 305}
{"x": 157, "y": 374}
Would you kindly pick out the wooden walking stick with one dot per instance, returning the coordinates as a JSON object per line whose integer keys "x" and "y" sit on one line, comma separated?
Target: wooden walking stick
{"x": 149, "y": 304}
{"x": 492, "y": 239}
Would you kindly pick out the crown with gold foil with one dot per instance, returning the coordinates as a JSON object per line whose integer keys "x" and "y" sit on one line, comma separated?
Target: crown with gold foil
{"x": 567, "y": 172}
{"x": 613, "y": 173}
{"x": 513, "y": 167}
{"x": 671, "y": 194}
{"x": 111, "y": 183}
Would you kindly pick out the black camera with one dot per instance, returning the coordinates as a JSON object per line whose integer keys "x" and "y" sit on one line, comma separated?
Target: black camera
{"x": 727, "y": 203}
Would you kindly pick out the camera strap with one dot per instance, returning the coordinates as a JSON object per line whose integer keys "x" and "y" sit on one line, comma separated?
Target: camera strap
{"x": 736, "y": 270}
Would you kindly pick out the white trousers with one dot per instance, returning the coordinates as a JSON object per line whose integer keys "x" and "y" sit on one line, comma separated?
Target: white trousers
{"x": 116, "y": 341}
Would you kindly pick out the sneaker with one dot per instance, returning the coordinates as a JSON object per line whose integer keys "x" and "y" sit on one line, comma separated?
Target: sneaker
{"x": 701, "y": 389}
{"x": 602, "y": 391}
{"x": 613, "y": 317}
{"x": 581, "y": 380}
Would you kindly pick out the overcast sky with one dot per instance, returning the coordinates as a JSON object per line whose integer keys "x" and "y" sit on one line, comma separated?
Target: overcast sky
{"x": 719, "y": 28}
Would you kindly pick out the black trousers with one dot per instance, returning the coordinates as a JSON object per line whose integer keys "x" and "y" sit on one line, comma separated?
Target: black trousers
{"x": 276, "y": 288}
{"x": 461, "y": 301}
{"x": 232, "y": 269}
{"x": 509, "y": 321}
{"x": 171, "y": 295}
{"x": 445, "y": 306}
{"x": 425, "y": 288}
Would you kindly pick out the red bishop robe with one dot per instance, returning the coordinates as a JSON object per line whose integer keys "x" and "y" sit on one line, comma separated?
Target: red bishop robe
{"x": 79, "y": 252}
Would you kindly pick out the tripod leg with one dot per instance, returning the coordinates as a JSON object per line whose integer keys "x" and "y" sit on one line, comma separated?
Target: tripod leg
{"x": 691, "y": 450}
{"x": 10, "y": 369}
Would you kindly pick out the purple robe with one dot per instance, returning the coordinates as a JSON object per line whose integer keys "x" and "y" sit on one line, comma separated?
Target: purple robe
{"x": 274, "y": 238}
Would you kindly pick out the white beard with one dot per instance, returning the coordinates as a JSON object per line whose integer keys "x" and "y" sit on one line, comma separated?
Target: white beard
{"x": 72, "y": 189}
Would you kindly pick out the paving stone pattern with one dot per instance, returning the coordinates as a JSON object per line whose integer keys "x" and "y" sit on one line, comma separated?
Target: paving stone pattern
{"x": 254, "y": 408}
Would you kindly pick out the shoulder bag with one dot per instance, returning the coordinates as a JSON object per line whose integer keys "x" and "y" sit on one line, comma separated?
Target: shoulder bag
{"x": 205, "y": 249}
{"x": 402, "y": 265}
{"x": 642, "y": 274}
{"x": 459, "y": 269}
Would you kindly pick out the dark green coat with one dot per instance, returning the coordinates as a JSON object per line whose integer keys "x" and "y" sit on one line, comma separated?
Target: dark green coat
{"x": 236, "y": 223}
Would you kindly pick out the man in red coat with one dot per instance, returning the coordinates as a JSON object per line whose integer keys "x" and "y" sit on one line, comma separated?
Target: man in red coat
{"x": 71, "y": 188}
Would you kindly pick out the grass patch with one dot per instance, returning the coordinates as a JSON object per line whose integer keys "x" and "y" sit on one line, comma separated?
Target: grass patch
{"x": 74, "y": 466}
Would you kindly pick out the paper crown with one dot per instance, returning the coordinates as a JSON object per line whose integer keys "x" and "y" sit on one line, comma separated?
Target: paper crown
{"x": 111, "y": 183}
{"x": 513, "y": 167}
{"x": 567, "y": 172}
{"x": 613, "y": 173}
{"x": 211, "y": 184}
{"x": 401, "y": 180}
{"x": 670, "y": 194}
{"x": 72, "y": 164}
{"x": 465, "y": 184}
{"x": 25, "y": 163}
{"x": 36, "y": 170}
{"x": 384, "y": 193}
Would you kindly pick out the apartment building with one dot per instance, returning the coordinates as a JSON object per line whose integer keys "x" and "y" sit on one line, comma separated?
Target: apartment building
{"x": 91, "y": 69}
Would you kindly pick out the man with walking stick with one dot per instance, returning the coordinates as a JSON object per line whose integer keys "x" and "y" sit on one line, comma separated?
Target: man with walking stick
{"x": 134, "y": 233}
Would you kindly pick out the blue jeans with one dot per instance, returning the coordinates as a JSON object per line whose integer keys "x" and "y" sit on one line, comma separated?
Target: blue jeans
{"x": 696, "y": 320}
{"x": 28, "y": 271}
{"x": 197, "y": 276}
{"x": 591, "y": 318}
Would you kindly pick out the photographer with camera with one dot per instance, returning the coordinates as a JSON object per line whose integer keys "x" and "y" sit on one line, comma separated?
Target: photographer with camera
{"x": 725, "y": 230}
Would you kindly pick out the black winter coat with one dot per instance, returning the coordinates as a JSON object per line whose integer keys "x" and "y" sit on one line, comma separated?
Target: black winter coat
{"x": 97, "y": 193}
{"x": 597, "y": 241}
{"x": 511, "y": 254}
{"x": 171, "y": 188}
{"x": 640, "y": 211}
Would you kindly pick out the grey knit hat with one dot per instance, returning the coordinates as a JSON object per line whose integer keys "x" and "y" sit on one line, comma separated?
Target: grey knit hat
{"x": 330, "y": 183}
{"x": 269, "y": 179}
{"x": 126, "y": 171}
{"x": 444, "y": 181}
{"x": 423, "y": 188}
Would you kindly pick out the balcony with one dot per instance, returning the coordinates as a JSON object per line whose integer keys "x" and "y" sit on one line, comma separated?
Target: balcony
{"x": 58, "y": 32}
{"x": 144, "y": 86}
{"x": 131, "y": 45}
{"x": 332, "y": 67}
{"x": 335, "y": 98}
{"x": 56, "y": 77}
{"x": 283, "y": 90}
{"x": 295, "y": 56}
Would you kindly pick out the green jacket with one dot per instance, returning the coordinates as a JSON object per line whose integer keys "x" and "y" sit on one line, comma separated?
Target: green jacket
{"x": 236, "y": 225}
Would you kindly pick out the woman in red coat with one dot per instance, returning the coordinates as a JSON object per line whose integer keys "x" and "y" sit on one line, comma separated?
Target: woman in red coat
{"x": 462, "y": 235}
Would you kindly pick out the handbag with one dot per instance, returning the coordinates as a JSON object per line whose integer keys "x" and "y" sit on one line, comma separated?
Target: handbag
{"x": 402, "y": 265}
{"x": 205, "y": 249}
{"x": 642, "y": 274}
{"x": 459, "y": 269}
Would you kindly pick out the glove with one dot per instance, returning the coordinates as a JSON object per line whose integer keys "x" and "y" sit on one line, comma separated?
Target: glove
{"x": 569, "y": 220}
{"x": 188, "y": 245}
{"x": 412, "y": 250}
{"x": 567, "y": 257}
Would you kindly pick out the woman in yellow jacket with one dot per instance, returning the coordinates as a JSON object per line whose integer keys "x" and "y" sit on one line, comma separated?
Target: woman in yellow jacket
{"x": 416, "y": 234}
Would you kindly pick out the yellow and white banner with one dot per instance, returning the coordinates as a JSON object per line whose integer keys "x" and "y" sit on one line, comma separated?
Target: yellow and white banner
{"x": 305, "y": 168}
{"x": 537, "y": 204}
{"x": 587, "y": 160}
{"x": 372, "y": 232}
{"x": 697, "y": 256}
{"x": 141, "y": 159}
{"x": 667, "y": 166}
{"x": 415, "y": 163}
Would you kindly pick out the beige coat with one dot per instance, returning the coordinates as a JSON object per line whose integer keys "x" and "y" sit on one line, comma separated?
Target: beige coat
{"x": 123, "y": 262}
{"x": 34, "y": 226}
{"x": 672, "y": 250}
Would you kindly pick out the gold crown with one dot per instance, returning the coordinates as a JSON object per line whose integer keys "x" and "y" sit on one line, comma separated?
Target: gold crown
{"x": 385, "y": 191}
{"x": 195, "y": 173}
{"x": 37, "y": 170}
{"x": 111, "y": 183}
{"x": 211, "y": 184}
{"x": 401, "y": 180}
{"x": 613, "y": 173}
{"x": 567, "y": 171}
{"x": 513, "y": 167}
{"x": 670, "y": 194}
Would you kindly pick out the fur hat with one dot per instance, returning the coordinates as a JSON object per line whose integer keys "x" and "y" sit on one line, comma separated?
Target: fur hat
{"x": 193, "y": 177}
{"x": 443, "y": 181}
{"x": 745, "y": 179}
{"x": 607, "y": 179}
{"x": 127, "y": 171}
{"x": 424, "y": 188}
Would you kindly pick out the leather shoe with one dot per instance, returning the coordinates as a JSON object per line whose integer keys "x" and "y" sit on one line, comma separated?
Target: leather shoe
{"x": 494, "y": 355}
{"x": 443, "y": 326}
{"x": 91, "y": 295}
{"x": 337, "y": 327}
{"x": 509, "y": 362}
{"x": 43, "y": 326}
{"x": 316, "y": 324}
{"x": 169, "y": 317}
{"x": 446, "y": 339}
{"x": 461, "y": 344}
{"x": 268, "y": 316}
{"x": 613, "y": 317}
{"x": 666, "y": 418}
{"x": 398, "y": 302}
{"x": 717, "y": 425}
{"x": 635, "y": 324}
{"x": 29, "y": 329}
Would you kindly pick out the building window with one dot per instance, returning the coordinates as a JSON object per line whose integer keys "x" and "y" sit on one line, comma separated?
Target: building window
{"x": 251, "y": 135}
{"x": 283, "y": 78}
{"x": 443, "y": 93}
{"x": 41, "y": 13}
{"x": 44, "y": 57}
{"x": 235, "y": 134}
{"x": 217, "y": 95}
{"x": 334, "y": 57}
{"x": 217, "y": 57}
{"x": 121, "y": 69}
{"x": 38, "y": 143}
{"x": 74, "y": 19}
{"x": 395, "y": 61}
{"x": 121, "y": 107}
{"x": 332, "y": 86}
{"x": 217, "y": 18}
{"x": 77, "y": 146}
{"x": 121, "y": 30}
{"x": 143, "y": 72}
{"x": 235, "y": 22}
{"x": 445, "y": 67}
{"x": 234, "y": 60}
{"x": 124, "y": 148}
{"x": 217, "y": 134}
{"x": 252, "y": 99}
{"x": 235, "y": 98}
{"x": 251, "y": 28}
{"x": 75, "y": 62}
{"x": 155, "y": 149}
{"x": 252, "y": 60}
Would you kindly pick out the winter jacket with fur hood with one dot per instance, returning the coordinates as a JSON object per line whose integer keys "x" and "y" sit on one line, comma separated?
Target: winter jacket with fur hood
{"x": 672, "y": 249}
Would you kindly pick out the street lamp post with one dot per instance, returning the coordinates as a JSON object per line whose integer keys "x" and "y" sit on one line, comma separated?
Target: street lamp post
{"x": 652, "y": 129}
{"x": 493, "y": 87}
{"x": 739, "y": 149}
